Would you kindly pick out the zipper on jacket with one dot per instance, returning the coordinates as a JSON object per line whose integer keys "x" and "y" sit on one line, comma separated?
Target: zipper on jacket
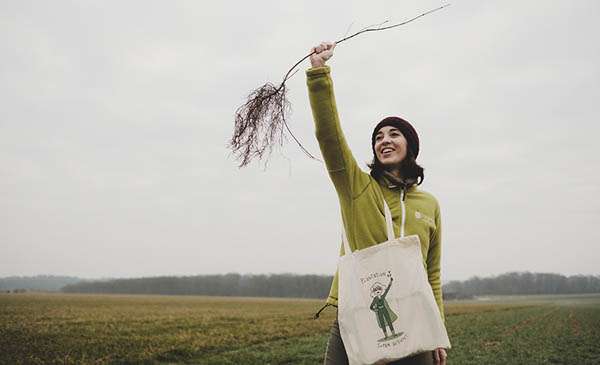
{"x": 402, "y": 196}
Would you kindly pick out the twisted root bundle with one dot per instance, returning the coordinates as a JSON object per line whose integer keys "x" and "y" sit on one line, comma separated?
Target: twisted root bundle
{"x": 259, "y": 123}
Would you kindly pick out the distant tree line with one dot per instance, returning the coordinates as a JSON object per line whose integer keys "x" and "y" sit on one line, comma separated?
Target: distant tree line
{"x": 514, "y": 283}
{"x": 299, "y": 286}
{"x": 37, "y": 283}
{"x": 274, "y": 285}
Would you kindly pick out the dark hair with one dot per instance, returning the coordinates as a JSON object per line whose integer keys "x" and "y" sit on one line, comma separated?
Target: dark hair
{"x": 409, "y": 168}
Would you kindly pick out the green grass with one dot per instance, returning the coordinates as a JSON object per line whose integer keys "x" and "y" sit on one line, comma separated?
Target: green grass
{"x": 106, "y": 329}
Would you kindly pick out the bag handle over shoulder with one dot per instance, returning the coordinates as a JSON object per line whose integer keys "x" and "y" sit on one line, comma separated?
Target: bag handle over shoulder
{"x": 388, "y": 223}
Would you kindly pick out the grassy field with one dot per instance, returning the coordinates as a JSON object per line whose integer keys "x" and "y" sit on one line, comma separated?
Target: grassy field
{"x": 102, "y": 329}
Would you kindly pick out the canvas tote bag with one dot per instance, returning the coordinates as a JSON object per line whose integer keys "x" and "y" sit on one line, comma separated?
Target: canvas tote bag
{"x": 386, "y": 307}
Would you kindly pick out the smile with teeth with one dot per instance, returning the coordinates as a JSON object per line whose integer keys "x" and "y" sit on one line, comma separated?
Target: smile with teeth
{"x": 387, "y": 149}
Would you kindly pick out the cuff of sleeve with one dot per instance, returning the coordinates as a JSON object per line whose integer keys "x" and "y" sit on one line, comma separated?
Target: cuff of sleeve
{"x": 318, "y": 71}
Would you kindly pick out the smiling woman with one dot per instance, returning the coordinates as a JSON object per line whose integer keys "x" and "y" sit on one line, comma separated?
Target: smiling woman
{"x": 383, "y": 213}
{"x": 395, "y": 146}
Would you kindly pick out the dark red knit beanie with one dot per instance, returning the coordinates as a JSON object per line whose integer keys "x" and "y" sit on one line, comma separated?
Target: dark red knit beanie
{"x": 412, "y": 138}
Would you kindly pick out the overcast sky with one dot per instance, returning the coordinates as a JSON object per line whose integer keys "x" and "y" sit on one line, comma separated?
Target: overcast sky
{"x": 115, "y": 117}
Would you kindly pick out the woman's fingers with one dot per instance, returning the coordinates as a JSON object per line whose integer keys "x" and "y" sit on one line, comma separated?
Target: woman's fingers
{"x": 436, "y": 357}
{"x": 324, "y": 46}
{"x": 439, "y": 356}
{"x": 321, "y": 53}
{"x": 443, "y": 356}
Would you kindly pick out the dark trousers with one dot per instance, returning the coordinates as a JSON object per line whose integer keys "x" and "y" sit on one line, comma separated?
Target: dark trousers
{"x": 336, "y": 353}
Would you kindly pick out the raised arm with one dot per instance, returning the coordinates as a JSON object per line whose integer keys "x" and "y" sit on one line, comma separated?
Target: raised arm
{"x": 348, "y": 179}
{"x": 388, "y": 287}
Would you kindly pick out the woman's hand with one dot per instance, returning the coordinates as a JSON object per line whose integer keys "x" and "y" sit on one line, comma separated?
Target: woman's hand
{"x": 439, "y": 356}
{"x": 321, "y": 54}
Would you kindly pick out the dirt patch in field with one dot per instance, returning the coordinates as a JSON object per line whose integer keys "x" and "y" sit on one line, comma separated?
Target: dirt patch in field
{"x": 575, "y": 325}
{"x": 527, "y": 322}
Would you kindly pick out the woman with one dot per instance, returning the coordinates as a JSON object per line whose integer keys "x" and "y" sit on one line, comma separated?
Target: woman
{"x": 394, "y": 175}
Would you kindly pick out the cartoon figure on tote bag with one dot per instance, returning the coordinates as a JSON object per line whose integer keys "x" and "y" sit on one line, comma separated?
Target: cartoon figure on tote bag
{"x": 385, "y": 315}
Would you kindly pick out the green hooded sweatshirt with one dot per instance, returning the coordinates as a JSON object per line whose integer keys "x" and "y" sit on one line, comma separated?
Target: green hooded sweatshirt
{"x": 361, "y": 196}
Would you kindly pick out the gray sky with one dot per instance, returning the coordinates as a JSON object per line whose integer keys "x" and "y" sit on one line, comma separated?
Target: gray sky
{"x": 115, "y": 118}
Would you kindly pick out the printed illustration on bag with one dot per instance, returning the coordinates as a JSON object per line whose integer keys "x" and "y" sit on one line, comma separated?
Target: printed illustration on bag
{"x": 384, "y": 314}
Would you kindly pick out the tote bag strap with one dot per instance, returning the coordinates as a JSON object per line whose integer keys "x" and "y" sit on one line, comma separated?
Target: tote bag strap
{"x": 402, "y": 205}
{"x": 389, "y": 226}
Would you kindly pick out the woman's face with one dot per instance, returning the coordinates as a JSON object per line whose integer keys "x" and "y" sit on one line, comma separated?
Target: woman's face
{"x": 390, "y": 146}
